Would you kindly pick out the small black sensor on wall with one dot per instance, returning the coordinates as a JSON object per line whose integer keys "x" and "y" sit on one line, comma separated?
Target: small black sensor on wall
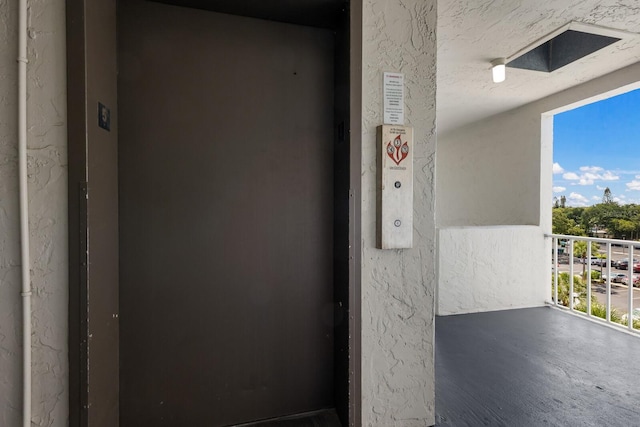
{"x": 104, "y": 117}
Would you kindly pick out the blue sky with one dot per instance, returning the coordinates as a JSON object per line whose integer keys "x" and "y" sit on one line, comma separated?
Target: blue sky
{"x": 598, "y": 146}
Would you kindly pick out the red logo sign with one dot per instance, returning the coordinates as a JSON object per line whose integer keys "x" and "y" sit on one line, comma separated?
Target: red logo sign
{"x": 397, "y": 150}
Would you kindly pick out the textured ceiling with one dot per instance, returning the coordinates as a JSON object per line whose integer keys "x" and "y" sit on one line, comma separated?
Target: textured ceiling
{"x": 471, "y": 33}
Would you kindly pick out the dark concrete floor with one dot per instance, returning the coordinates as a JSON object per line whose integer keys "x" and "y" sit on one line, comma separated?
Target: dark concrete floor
{"x": 535, "y": 367}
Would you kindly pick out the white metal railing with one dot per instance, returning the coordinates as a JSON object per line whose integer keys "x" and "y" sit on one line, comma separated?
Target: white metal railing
{"x": 575, "y": 302}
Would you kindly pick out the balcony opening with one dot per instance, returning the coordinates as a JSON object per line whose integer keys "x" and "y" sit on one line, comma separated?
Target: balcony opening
{"x": 595, "y": 212}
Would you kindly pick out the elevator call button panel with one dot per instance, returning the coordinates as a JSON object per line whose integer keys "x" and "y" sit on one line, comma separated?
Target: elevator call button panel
{"x": 395, "y": 187}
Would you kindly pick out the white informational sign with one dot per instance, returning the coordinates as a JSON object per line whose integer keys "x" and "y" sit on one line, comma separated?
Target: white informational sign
{"x": 395, "y": 187}
{"x": 393, "y": 88}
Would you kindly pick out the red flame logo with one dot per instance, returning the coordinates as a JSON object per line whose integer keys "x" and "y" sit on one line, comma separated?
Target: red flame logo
{"x": 397, "y": 150}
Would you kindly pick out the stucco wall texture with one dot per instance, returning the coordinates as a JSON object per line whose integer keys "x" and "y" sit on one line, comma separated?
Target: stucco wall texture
{"x": 398, "y": 285}
{"x": 491, "y": 268}
{"x": 47, "y": 171}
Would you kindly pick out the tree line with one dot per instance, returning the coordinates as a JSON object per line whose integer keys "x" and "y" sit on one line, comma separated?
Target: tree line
{"x": 607, "y": 219}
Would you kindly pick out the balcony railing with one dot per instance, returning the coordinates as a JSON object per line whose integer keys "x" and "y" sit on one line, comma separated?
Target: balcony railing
{"x": 605, "y": 295}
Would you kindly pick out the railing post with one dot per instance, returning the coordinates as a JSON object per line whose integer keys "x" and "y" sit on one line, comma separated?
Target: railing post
{"x": 556, "y": 267}
{"x": 608, "y": 285}
{"x": 587, "y": 279}
{"x": 630, "y": 291}
{"x": 571, "y": 272}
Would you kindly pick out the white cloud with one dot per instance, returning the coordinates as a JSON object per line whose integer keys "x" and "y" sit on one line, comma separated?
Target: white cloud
{"x": 559, "y": 189}
{"x": 570, "y": 176}
{"x": 586, "y": 179}
{"x": 634, "y": 185}
{"x": 557, "y": 168}
{"x": 589, "y": 175}
{"x": 595, "y": 198}
{"x": 592, "y": 169}
{"x": 576, "y": 199}
{"x": 601, "y": 188}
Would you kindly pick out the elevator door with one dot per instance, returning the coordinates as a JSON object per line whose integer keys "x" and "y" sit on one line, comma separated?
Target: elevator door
{"x": 226, "y": 216}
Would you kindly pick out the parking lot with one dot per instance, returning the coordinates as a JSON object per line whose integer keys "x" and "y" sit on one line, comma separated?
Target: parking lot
{"x": 619, "y": 291}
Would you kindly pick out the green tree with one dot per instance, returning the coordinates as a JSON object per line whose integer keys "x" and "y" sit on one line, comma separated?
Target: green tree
{"x": 599, "y": 217}
{"x": 562, "y": 224}
{"x": 623, "y": 227}
{"x": 606, "y": 197}
{"x": 575, "y": 214}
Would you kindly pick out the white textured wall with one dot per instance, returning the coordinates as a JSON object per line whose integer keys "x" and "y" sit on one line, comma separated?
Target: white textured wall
{"x": 398, "y": 285}
{"x": 498, "y": 172}
{"x": 47, "y": 159}
{"x": 491, "y": 268}
{"x": 489, "y": 174}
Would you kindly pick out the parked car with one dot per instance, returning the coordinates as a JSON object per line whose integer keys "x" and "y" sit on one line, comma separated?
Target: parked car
{"x": 636, "y": 281}
{"x": 602, "y": 262}
{"x": 584, "y": 260}
{"x": 636, "y": 268}
{"x": 625, "y": 260}
{"x": 623, "y": 264}
{"x": 616, "y": 277}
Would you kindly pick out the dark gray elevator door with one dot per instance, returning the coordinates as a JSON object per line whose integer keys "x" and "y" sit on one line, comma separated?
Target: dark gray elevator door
{"x": 226, "y": 204}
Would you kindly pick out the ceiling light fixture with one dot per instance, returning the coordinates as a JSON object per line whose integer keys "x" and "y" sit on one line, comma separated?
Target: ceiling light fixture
{"x": 498, "y": 70}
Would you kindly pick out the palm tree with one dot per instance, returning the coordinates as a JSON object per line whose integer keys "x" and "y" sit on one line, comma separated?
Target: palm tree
{"x": 580, "y": 250}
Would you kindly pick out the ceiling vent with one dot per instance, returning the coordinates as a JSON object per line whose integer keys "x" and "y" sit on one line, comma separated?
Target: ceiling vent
{"x": 564, "y": 46}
